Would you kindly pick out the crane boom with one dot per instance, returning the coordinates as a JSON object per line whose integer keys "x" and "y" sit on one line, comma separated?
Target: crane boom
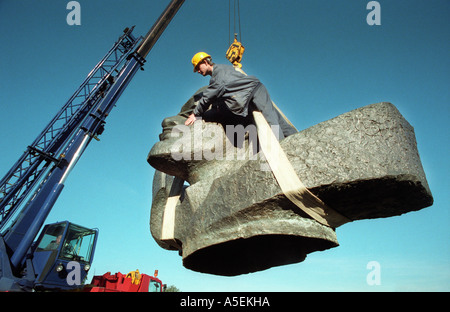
{"x": 31, "y": 187}
{"x": 46, "y": 149}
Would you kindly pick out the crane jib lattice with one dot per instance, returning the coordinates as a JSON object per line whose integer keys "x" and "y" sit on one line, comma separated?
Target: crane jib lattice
{"x": 46, "y": 151}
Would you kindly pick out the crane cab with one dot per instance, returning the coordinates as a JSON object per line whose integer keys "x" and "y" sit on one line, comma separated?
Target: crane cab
{"x": 62, "y": 256}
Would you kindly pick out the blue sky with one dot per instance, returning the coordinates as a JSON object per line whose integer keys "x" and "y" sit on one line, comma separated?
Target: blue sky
{"x": 317, "y": 58}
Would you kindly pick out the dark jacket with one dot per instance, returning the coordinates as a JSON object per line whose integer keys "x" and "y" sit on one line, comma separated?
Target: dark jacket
{"x": 230, "y": 87}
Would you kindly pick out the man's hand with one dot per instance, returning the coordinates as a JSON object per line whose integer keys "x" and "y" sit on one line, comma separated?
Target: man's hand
{"x": 190, "y": 120}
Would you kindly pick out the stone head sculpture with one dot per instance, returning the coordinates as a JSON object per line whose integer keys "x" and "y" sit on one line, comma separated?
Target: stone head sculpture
{"x": 217, "y": 202}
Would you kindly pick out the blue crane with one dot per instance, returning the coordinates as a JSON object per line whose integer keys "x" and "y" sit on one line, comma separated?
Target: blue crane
{"x": 31, "y": 187}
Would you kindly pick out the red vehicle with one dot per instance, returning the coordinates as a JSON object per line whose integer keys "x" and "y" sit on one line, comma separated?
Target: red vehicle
{"x": 132, "y": 282}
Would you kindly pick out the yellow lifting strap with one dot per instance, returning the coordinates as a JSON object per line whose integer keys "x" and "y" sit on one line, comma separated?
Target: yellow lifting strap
{"x": 290, "y": 184}
{"x": 288, "y": 180}
{"x": 168, "y": 222}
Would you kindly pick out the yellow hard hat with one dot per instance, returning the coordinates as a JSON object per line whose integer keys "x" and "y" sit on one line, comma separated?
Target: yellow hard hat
{"x": 198, "y": 58}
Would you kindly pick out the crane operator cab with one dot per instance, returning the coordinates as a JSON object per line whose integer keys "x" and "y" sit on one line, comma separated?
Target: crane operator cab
{"x": 62, "y": 256}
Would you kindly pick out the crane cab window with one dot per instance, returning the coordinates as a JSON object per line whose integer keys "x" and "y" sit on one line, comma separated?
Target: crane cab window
{"x": 52, "y": 237}
{"x": 78, "y": 243}
{"x": 154, "y": 286}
